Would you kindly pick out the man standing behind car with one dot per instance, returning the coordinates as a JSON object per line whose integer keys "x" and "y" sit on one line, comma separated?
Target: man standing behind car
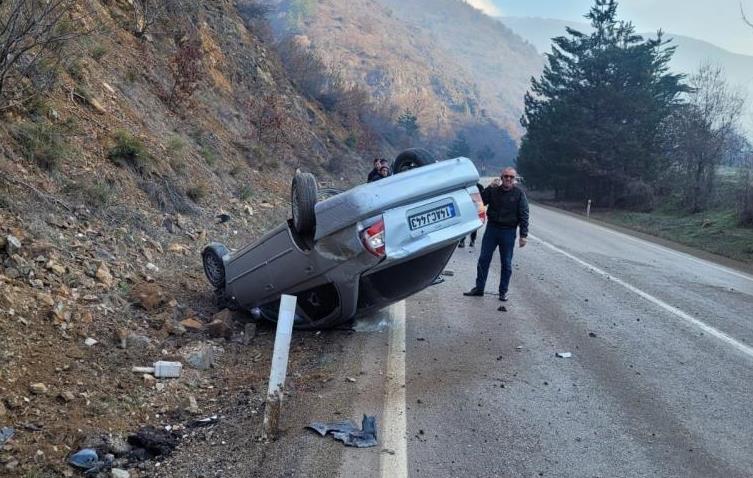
{"x": 374, "y": 173}
{"x": 507, "y": 211}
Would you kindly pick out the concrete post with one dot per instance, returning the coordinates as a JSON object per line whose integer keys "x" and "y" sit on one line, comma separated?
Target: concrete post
{"x": 277, "y": 375}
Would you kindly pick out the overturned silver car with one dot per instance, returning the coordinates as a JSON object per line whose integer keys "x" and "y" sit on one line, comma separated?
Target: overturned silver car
{"x": 358, "y": 250}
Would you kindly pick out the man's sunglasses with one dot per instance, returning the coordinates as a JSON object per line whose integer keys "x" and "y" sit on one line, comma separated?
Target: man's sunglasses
{"x": 508, "y": 176}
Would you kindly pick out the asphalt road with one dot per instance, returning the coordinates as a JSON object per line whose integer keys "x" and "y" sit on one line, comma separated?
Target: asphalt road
{"x": 659, "y": 382}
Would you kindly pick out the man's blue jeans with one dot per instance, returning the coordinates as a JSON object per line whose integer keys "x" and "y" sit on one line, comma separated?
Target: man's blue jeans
{"x": 504, "y": 238}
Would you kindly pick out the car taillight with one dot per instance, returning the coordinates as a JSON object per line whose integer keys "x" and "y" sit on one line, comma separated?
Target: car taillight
{"x": 479, "y": 206}
{"x": 373, "y": 238}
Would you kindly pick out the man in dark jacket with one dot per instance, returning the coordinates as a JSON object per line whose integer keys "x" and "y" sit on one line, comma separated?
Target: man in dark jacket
{"x": 507, "y": 211}
{"x": 374, "y": 173}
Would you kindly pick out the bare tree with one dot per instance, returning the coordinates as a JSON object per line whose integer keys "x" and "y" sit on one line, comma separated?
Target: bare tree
{"x": 702, "y": 129}
{"x": 145, "y": 15}
{"x": 32, "y": 31}
{"x": 272, "y": 121}
{"x": 187, "y": 69}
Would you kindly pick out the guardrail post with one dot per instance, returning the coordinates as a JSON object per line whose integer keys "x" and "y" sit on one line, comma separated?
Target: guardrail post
{"x": 277, "y": 375}
{"x": 588, "y": 210}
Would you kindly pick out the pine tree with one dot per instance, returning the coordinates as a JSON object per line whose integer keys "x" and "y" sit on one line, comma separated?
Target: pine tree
{"x": 594, "y": 117}
{"x": 409, "y": 123}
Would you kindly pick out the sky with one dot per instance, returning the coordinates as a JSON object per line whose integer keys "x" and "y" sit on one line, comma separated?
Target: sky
{"x": 715, "y": 21}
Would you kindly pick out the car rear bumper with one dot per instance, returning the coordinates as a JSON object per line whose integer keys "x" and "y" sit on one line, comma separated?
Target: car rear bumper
{"x": 399, "y": 280}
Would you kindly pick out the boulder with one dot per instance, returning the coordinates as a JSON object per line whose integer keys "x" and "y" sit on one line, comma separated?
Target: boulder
{"x": 104, "y": 276}
{"x": 12, "y": 245}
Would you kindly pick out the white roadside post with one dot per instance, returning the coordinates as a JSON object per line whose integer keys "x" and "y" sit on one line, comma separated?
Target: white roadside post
{"x": 279, "y": 366}
{"x": 588, "y": 210}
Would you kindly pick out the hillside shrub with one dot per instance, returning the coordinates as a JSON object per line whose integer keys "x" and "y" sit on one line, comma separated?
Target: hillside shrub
{"x": 129, "y": 151}
{"x": 98, "y": 51}
{"x": 197, "y": 191}
{"x": 245, "y": 193}
{"x": 209, "y": 155}
{"x": 42, "y": 143}
{"x": 176, "y": 145}
{"x": 638, "y": 196}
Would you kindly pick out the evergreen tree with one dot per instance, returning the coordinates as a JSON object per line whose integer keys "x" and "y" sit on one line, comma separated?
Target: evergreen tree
{"x": 594, "y": 118}
{"x": 409, "y": 123}
{"x": 459, "y": 147}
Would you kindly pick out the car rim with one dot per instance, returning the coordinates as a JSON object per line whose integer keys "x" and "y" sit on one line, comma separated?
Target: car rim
{"x": 213, "y": 269}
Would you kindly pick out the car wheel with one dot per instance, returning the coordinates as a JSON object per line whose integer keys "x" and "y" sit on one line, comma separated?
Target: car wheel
{"x": 412, "y": 158}
{"x": 214, "y": 267}
{"x": 303, "y": 200}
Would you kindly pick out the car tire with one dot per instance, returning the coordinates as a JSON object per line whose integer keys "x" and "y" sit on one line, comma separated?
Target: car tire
{"x": 214, "y": 266}
{"x": 303, "y": 194}
{"x": 412, "y": 158}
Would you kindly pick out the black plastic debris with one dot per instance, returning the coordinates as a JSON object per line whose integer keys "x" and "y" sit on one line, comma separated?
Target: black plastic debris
{"x": 347, "y": 432}
{"x": 6, "y": 433}
{"x": 203, "y": 422}
{"x": 152, "y": 442}
{"x": 502, "y": 308}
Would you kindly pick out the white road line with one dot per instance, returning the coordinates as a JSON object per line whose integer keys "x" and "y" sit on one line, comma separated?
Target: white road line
{"x": 669, "y": 308}
{"x": 657, "y": 247}
{"x": 394, "y": 436}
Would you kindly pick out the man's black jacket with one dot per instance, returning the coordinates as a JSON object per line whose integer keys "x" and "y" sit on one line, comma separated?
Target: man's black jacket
{"x": 506, "y": 208}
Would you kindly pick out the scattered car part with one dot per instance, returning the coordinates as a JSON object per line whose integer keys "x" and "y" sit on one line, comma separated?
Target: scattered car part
{"x": 6, "y": 433}
{"x": 162, "y": 369}
{"x": 347, "y": 432}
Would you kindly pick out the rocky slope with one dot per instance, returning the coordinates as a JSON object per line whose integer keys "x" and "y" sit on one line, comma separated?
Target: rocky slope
{"x": 108, "y": 192}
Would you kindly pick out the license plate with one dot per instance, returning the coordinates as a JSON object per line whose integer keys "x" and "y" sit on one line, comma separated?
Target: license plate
{"x": 432, "y": 216}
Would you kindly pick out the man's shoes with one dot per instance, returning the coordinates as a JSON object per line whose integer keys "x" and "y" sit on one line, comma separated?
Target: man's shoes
{"x": 462, "y": 244}
{"x": 503, "y": 297}
{"x": 475, "y": 292}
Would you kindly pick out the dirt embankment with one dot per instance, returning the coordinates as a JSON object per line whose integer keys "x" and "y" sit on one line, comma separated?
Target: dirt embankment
{"x": 108, "y": 192}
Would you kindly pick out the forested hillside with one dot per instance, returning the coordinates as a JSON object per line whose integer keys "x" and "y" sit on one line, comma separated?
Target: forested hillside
{"x": 460, "y": 73}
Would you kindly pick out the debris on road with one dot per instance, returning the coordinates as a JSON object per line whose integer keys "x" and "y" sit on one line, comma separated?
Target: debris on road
{"x": 591, "y": 334}
{"x": 563, "y": 354}
{"x": 120, "y": 473}
{"x": 350, "y": 379}
{"x": 348, "y": 433}
{"x": 150, "y": 441}
{"x": 87, "y": 459}
{"x": 38, "y": 388}
{"x": 204, "y": 422}
{"x": 502, "y": 308}
{"x": 448, "y": 273}
{"x": 6, "y": 433}
{"x": 89, "y": 342}
{"x": 161, "y": 369}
